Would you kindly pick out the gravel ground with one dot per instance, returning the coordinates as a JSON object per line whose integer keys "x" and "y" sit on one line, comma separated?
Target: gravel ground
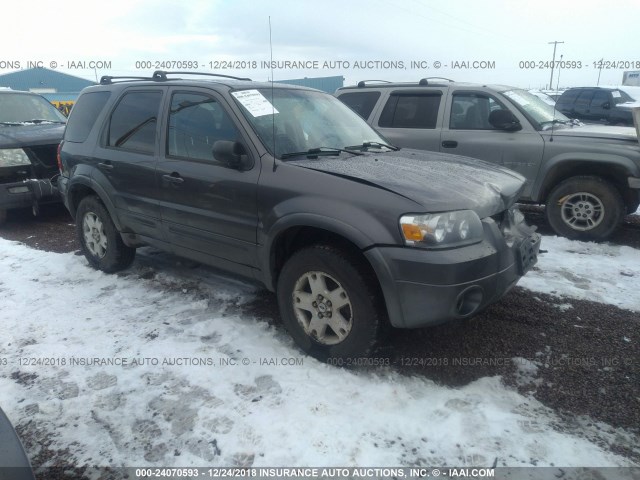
{"x": 577, "y": 357}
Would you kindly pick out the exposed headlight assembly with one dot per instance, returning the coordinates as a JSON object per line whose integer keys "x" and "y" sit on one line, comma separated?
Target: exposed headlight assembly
{"x": 13, "y": 157}
{"x": 448, "y": 229}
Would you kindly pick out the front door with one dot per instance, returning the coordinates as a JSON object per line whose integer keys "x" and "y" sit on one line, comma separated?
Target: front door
{"x": 207, "y": 206}
{"x": 468, "y": 132}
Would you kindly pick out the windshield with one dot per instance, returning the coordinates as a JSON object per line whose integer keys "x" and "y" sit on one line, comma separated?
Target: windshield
{"x": 540, "y": 112}
{"x": 620, "y": 97}
{"x": 20, "y": 108}
{"x": 303, "y": 120}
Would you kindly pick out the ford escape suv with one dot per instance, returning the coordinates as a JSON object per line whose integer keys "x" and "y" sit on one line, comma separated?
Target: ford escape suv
{"x": 286, "y": 186}
{"x": 588, "y": 176}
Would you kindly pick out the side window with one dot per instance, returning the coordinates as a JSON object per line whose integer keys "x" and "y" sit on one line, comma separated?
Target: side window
{"x": 584, "y": 99}
{"x": 470, "y": 111}
{"x": 133, "y": 122}
{"x": 360, "y": 102}
{"x": 85, "y": 113}
{"x": 196, "y": 122}
{"x": 569, "y": 97}
{"x": 411, "y": 111}
{"x": 599, "y": 98}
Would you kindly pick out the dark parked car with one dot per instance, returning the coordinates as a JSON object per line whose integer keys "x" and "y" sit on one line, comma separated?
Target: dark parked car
{"x": 610, "y": 106}
{"x": 14, "y": 463}
{"x": 287, "y": 186}
{"x": 30, "y": 131}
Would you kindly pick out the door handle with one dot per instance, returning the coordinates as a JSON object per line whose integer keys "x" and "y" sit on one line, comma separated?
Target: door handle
{"x": 449, "y": 144}
{"x": 106, "y": 165}
{"x": 174, "y": 178}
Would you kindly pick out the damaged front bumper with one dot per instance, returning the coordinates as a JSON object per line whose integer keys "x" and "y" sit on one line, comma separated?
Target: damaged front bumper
{"x": 27, "y": 193}
{"x": 429, "y": 287}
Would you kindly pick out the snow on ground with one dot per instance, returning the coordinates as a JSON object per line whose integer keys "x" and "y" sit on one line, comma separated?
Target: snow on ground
{"x": 598, "y": 272}
{"x": 296, "y": 413}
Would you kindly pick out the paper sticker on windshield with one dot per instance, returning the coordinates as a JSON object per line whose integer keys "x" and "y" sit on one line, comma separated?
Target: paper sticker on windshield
{"x": 255, "y": 102}
{"x": 615, "y": 94}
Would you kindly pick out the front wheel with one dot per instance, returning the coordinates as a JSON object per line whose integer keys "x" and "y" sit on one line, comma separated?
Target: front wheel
{"x": 99, "y": 239}
{"x": 584, "y": 208}
{"x": 328, "y": 305}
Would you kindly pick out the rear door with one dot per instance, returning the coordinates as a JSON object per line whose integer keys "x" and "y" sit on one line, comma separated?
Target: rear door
{"x": 126, "y": 159}
{"x": 412, "y": 118}
{"x": 582, "y": 107}
{"x": 208, "y": 207}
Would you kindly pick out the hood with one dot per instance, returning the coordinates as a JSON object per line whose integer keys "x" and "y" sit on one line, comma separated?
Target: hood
{"x": 438, "y": 182}
{"x": 595, "y": 131}
{"x": 30, "y": 135}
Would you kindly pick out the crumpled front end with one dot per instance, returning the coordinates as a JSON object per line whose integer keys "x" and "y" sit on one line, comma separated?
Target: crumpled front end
{"x": 427, "y": 287}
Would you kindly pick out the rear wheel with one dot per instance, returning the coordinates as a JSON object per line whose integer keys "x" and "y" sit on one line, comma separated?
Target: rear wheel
{"x": 99, "y": 239}
{"x": 328, "y": 305}
{"x": 585, "y": 208}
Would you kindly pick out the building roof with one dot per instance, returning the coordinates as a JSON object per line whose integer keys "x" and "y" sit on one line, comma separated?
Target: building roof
{"x": 326, "y": 84}
{"x": 43, "y": 79}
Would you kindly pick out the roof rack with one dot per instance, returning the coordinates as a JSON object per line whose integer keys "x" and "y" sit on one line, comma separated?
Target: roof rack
{"x": 425, "y": 81}
{"x": 108, "y": 79}
{"x": 363, "y": 83}
{"x": 161, "y": 76}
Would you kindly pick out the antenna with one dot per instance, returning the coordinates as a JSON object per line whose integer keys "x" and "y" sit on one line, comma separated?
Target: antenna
{"x": 553, "y": 119}
{"x": 273, "y": 108}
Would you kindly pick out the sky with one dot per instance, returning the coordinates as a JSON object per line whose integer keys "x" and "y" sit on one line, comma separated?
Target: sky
{"x": 494, "y": 41}
{"x": 184, "y": 374}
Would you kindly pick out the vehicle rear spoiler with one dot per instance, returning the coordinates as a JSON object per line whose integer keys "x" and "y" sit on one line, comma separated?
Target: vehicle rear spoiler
{"x": 635, "y": 112}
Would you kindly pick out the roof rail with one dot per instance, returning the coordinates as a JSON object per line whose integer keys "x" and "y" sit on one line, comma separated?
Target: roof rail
{"x": 363, "y": 83}
{"x": 161, "y": 76}
{"x": 425, "y": 81}
{"x": 108, "y": 79}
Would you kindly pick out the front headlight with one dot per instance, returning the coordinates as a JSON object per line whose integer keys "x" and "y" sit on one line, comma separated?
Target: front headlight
{"x": 13, "y": 157}
{"x": 446, "y": 229}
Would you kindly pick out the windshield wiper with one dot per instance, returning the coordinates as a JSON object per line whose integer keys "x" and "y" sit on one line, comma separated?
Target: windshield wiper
{"x": 366, "y": 145}
{"x": 319, "y": 151}
{"x": 42, "y": 120}
{"x": 13, "y": 124}
{"x": 555, "y": 121}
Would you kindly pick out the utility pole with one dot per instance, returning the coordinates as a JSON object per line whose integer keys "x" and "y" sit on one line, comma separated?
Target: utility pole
{"x": 553, "y": 64}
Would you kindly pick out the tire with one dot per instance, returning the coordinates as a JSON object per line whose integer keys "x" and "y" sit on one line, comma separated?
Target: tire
{"x": 347, "y": 332}
{"x": 3, "y": 216}
{"x": 99, "y": 239}
{"x": 584, "y": 208}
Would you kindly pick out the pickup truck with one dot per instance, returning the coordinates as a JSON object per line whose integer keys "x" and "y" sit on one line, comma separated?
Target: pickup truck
{"x": 587, "y": 175}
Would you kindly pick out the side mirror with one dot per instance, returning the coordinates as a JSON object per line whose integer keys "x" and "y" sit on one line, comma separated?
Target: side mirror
{"x": 606, "y": 105}
{"x": 504, "y": 120}
{"x": 232, "y": 154}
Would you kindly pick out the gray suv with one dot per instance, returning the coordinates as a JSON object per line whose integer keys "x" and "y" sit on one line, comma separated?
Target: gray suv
{"x": 587, "y": 175}
{"x": 286, "y": 186}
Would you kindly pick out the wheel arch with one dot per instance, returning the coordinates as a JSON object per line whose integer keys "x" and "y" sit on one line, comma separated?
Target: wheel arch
{"x": 82, "y": 188}
{"x": 615, "y": 173}
{"x": 296, "y": 236}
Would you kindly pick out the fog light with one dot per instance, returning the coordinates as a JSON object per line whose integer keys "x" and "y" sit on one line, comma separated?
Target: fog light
{"x": 19, "y": 190}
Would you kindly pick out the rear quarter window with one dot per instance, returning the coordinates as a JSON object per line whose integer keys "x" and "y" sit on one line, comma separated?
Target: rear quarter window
{"x": 84, "y": 115}
{"x": 360, "y": 102}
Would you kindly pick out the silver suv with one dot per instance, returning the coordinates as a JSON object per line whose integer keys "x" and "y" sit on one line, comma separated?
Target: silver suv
{"x": 587, "y": 175}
